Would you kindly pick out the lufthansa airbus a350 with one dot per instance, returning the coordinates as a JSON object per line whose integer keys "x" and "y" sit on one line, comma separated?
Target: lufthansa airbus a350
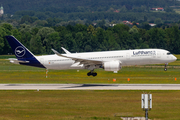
{"x": 108, "y": 60}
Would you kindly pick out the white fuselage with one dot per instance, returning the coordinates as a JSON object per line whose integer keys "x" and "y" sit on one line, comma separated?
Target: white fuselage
{"x": 126, "y": 57}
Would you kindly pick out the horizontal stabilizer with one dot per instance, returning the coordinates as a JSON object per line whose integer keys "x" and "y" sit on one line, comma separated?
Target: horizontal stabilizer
{"x": 16, "y": 61}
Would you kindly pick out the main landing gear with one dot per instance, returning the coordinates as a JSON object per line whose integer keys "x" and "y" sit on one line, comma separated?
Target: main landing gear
{"x": 165, "y": 69}
{"x": 92, "y": 73}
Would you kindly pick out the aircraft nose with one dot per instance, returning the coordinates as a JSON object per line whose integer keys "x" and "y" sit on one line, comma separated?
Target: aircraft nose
{"x": 174, "y": 58}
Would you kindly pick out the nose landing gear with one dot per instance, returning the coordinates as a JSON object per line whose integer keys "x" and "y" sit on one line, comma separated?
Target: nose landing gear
{"x": 165, "y": 69}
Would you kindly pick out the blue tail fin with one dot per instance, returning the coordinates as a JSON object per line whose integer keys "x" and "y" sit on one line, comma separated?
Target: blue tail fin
{"x": 22, "y": 53}
{"x": 19, "y": 49}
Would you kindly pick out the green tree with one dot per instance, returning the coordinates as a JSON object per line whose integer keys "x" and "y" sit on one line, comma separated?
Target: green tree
{"x": 158, "y": 21}
{"x": 25, "y": 38}
{"x": 16, "y": 34}
{"x": 36, "y": 45}
{"x": 28, "y": 19}
{"x": 40, "y": 23}
{"x": 133, "y": 30}
{"x": 88, "y": 48}
{"x": 70, "y": 42}
{"x": 2, "y": 34}
{"x": 91, "y": 30}
{"x": 100, "y": 35}
{"x": 124, "y": 9}
{"x": 44, "y": 33}
{"x": 53, "y": 41}
{"x": 6, "y": 29}
{"x": 79, "y": 41}
{"x": 172, "y": 39}
{"x": 80, "y": 28}
{"x": 120, "y": 28}
{"x": 110, "y": 42}
{"x": 156, "y": 38}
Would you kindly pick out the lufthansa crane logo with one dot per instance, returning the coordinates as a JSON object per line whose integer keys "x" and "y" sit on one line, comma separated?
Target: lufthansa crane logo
{"x": 20, "y": 51}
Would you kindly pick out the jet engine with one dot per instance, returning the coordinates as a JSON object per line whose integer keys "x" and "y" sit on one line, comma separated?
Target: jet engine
{"x": 112, "y": 66}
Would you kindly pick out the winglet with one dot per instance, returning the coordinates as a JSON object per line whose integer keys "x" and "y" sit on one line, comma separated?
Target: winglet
{"x": 66, "y": 51}
{"x": 57, "y": 53}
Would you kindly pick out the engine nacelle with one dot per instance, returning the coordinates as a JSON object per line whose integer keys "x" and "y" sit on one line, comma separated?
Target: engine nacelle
{"x": 112, "y": 66}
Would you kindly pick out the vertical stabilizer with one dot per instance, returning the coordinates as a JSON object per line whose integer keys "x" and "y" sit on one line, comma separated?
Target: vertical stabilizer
{"x": 18, "y": 48}
{"x": 22, "y": 53}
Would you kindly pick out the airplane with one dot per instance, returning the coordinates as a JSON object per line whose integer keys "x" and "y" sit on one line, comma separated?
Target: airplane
{"x": 108, "y": 60}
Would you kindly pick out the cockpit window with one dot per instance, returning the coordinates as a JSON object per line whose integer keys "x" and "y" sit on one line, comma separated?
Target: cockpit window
{"x": 168, "y": 53}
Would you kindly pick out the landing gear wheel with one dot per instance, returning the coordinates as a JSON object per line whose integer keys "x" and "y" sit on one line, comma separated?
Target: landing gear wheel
{"x": 165, "y": 69}
{"x": 89, "y": 73}
{"x": 92, "y": 73}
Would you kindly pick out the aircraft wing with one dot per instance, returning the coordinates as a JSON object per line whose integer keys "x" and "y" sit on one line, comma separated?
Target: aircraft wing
{"x": 16, "y": 61}
{"x": 77, "y": 59}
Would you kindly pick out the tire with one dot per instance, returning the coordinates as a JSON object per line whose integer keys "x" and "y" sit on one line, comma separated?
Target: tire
{"x": 89, "y": 73}
{"x": 94, "y": 74}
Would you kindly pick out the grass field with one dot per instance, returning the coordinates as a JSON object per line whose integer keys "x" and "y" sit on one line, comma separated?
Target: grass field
{"x": 11, "y": 73}
{"x": 86, "y": 105}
